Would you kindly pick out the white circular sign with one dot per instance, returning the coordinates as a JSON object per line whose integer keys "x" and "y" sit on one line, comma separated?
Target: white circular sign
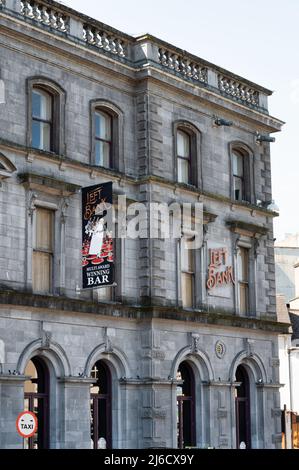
{"x": 26, "y": 424}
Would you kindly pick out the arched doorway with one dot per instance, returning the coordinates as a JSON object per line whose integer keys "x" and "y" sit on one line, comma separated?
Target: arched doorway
{"x": 100, "y": 406}
{"x": 242, "y": 400}
{"x": 185, "y": 407}
{"x": 36, "y": 399}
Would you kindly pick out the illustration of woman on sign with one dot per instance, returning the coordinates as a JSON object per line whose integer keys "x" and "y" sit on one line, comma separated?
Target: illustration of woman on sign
{"x": 97, "y": 231}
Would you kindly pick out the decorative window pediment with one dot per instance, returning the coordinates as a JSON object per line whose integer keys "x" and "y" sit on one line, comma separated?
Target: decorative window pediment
{"x": 246, "y": 229}
{"x": 48, "y": 185}
{"x": 7, "y": 168}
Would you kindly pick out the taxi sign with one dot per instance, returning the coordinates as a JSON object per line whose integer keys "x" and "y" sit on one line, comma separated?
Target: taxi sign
{"x": 26, "y": 424}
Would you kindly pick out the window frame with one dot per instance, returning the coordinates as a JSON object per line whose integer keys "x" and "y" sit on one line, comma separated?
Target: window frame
{"x": 185, "y": 159}
{"x": 43, "y": 378}
{"x": 246, "y": 152}
{"x": 58, "y": 94}
{"x": 96, "y": 398}
{"x": 244, "y": 284}
{"x": 183, "y": 272}
{"x": 99, "y": 139}
{"x": 195, "y": 166}
{"x": 191, "y": 398}
{"x": 39, "y": 120}
{"x": 117, "y": 133}
{"x": 36, "y": 249}
{"x": 245, "y": 400}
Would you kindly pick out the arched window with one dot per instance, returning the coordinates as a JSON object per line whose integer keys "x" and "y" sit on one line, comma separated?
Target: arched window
{"x": 187, "y": 162}
{"x": 238, "y": 176}
{"x": 242, "y": 400}
{"x": 42, "y": 119}
{"x": 37, "y": 400}
{"x": 242, "y": 184}
{"x": 185, "y": 407}
{"x": 106, "y": 135}
{"x": 46, "y": 115}
{"x": 100, "y": 403}
{"x": 103, "y": 139}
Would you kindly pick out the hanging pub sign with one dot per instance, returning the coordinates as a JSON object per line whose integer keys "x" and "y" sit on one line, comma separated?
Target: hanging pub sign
{"x": 97, "y": 241}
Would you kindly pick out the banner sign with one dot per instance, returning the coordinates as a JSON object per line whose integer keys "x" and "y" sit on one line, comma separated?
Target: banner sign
{"x": 97, "y": 241}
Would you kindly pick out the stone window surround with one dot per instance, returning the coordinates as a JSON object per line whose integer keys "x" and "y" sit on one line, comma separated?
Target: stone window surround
{"x": 248, "y": 155}
{"x": 59, "y": 104}
{"x": 51, "y": 194}
{"x": 195, "y": 141}
{"x": 117, "y": 115}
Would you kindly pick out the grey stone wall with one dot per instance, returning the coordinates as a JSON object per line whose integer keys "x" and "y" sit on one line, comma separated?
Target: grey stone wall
{"x": 144, "y": 334}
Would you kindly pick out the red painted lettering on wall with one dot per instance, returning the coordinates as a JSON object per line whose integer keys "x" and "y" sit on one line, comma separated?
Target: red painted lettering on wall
{"x": 218, "y": 258}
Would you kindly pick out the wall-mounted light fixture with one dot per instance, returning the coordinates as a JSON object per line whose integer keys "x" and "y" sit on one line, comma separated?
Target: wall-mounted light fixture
{"x": 222, "y": 122}
{"x": 264, "y": 138}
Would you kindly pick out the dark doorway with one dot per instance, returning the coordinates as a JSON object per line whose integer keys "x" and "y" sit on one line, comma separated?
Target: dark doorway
{"x": 242, "y": 398}
{"x": 186, "y": 407}
{"x": 100, "y": 406}
{"x": 36, "y": 400}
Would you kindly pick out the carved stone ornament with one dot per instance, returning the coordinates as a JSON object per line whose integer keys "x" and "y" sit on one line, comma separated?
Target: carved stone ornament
{"x": 46, "y": 339}
{"x": 220, "y": 349}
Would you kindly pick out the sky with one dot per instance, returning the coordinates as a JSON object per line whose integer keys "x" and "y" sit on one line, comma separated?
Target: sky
{"x": 257, "y": 39}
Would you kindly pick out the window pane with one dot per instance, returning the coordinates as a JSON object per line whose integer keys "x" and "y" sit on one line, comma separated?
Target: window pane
{"x": 102, "y": 154}
{"x": 238, "y": 188}
{"x": 183, "y": 171}
{"x": 41, "y": 135}
{"x": 187, "y": 290}
{"x": 103, "y": 126}
{"x": 238, "y": 164}
{"x": 41, "y": 275}
{"x": 187, "y": 257}
{"x": 41, "y": 105}
{"x": 243, "y": 292}
{"x": 183, "y": 144}
{"x": 243, "y": 265}
{"x": 44, "y": 229}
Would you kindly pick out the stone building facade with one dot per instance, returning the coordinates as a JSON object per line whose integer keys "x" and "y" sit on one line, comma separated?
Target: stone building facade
{"x": 179, "y": 362}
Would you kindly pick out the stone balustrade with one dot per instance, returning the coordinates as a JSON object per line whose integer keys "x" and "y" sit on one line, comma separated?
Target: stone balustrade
{"x": 106, "y": 41}
{"x": 238, "y": 90}
{"x": 182, "y": 65}
{"x": 141, "y": 50}
{"x": 44, "y": 15}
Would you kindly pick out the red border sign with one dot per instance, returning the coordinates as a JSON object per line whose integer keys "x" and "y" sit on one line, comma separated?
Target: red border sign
{"x": 28, "y": 429}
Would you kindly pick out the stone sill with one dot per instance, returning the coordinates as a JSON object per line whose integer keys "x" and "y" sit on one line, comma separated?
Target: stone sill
{"x": 113, "y": 173}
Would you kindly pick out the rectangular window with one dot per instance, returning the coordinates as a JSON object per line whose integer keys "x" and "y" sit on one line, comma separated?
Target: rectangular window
{"x": 187, "y": 274}
{"x": 243, "y": 280}
{"x": 42, "y": 265}
{"x": 42, "y": 117}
